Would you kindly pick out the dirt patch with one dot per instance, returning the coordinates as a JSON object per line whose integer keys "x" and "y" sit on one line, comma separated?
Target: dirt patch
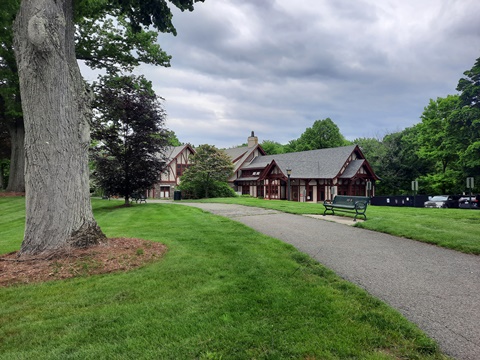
{"x": 10, "y": 193}
{"x": 118, "y": 254}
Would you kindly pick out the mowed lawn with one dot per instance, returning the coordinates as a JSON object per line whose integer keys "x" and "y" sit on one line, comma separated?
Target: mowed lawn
{"x": 457, "y": 229}
{"x": 222, "y": 291}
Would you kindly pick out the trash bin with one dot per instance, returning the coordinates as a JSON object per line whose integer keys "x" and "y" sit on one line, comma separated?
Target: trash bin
{"x": 177, "y": 195}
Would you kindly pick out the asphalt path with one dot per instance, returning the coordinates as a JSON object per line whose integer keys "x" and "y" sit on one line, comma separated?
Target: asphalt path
{"x": 438, "y": 289}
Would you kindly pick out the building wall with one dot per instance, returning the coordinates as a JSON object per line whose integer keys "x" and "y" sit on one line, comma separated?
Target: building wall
{"x": 170, "y": 178}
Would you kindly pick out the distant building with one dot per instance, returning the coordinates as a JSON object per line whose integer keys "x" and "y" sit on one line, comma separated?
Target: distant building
{"x": 315, "y": 175}
{"x": 178, "y": 159}
{"x": 243, "y": 156}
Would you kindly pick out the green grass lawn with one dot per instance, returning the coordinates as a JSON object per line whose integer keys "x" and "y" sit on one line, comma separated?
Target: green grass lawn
{"x": 222, "y": 291}
{"x": 457, "y": 229}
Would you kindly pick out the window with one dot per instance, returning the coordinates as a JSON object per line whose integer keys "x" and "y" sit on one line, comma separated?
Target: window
{"x": 181, "y": 168}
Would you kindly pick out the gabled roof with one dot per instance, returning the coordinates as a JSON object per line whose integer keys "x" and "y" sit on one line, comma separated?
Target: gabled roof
{"x": 240, "y": 154}
{"x": 352, "y": 169}
{"x": 313, "y": 164}
{"x": 171, "y": 152}
{"x": 236, "y": 153}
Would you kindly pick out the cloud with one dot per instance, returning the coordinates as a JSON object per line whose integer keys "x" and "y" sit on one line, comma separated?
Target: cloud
{"x": 277, "y": 66}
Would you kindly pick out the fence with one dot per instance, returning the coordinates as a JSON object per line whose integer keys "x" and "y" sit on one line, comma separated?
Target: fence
{"x": 399, "y": 200}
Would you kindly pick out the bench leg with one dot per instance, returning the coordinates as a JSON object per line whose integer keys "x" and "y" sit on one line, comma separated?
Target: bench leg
{"x": 362, "y": 214}
{"x": 325, "y": 212}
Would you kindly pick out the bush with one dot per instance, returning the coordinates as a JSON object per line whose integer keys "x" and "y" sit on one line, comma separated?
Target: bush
{"x": 222, "y": 189}
{"x": 215, "y": 189}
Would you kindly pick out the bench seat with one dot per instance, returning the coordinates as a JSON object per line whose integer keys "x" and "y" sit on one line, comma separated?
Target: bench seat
{"x": 357, "y": 204}
{"x": 139, "y": 198}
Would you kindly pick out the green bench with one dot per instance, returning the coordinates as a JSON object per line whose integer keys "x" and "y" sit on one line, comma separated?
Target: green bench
{"x": 357, "y": 204}
{"x": 139, "y": 197}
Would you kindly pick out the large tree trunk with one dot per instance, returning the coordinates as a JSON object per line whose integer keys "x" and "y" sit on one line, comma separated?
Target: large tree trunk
{"x": 16, "y": 179}
{"x": 57, "y": 132}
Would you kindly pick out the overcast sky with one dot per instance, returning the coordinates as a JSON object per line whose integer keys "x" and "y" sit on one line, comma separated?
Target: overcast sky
{"x": 276, "y": 66}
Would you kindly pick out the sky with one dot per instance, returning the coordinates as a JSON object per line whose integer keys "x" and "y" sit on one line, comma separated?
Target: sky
{"x": 276, "y": 66}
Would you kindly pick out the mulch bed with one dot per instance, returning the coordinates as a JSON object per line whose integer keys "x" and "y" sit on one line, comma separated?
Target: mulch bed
{"x": 113, "y": 255}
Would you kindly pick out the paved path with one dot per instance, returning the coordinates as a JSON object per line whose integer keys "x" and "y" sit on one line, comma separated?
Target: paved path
{"x": 435, "y": 288}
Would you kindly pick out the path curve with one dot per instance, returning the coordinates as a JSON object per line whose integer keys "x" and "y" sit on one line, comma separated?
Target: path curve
{"x": 436, "y": 288}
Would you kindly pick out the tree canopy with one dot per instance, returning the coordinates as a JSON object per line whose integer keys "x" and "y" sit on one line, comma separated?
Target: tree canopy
{"x": 129, "y": 134}
{"x": 207, "y": 174}
{"x": 469, "y": 86}
{"x": 272, "y": 147}
{"x": 323, "y": 134}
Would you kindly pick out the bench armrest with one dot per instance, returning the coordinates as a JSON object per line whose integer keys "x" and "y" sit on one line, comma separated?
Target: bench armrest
{"x": 361, "y": 205}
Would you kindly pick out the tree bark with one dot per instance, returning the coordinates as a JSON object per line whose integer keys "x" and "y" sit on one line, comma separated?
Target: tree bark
{"x": 16, "y": 179}
{"x": 57, "y": 133}
{"x": 2, "y": 166}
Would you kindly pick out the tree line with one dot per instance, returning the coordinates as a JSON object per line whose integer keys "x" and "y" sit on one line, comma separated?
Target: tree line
{"x": 440, "y": 151}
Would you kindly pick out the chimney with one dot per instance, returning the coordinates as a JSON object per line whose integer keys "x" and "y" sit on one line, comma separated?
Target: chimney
{"x": 252, "y": 140}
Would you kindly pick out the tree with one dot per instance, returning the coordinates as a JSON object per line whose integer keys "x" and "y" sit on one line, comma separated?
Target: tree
{"x": 10, "y": 103}
{"x": 208, "y": 173}
{"x": 130, "y": 154}
{"x": 272, "y": 147}
{"x": 374, "y": 150}
{"x": 398, "y": 163}
{"x": 469, "y": 86}
{"x": 466, "y": 122}
{"x": 172, "y": 138}
{"x": 4, "y": 154}
{"x": 56, "y": 111}
{"x": 440, "y": 145}
{"x": 323, "y": 134}
{"x": 101, "y": 42}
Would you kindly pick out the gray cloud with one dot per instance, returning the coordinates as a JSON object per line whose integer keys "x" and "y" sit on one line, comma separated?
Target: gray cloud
{"x": 276, "y": 66}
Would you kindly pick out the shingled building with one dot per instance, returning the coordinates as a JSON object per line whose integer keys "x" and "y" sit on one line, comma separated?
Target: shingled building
{"x": 315, "y": 175}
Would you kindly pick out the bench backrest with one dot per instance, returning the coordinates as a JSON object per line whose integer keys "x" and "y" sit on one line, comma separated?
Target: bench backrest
{"x": 349, "y": 200}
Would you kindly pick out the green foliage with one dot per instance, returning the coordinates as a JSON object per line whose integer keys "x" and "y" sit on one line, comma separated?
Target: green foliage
{"x": 466, "y": 123}
{"x": 448, "y": 137}
{"x": 469, "y": 86}
{"x": 129, "y": 154}
{"x": 10, "y": 107}
{"x": 441, "y": 151}
{"x": 221, "y": 291}
{"x": 140, "y": 15}
{"x": 437, "y": 142}
{"x": 210, "y": 168}
{"x": 113, "y": 45}
{"x": 373, "y": 149}
{"x": 221, "y": 189}
{"x": 323, "y": 134}
{"x": 172, "y": 138}
{"x": 396, "y": 162}
{"x": 272, "y": 147}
